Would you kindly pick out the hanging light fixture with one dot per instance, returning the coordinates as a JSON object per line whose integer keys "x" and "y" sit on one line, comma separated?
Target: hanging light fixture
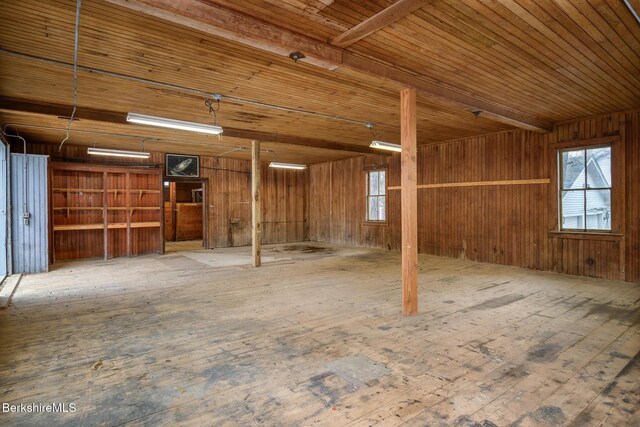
{"x": 386, "y": 146}
{"x": 144, "y": 119}
{"x": 287, "y": 165}
{"x": 118, "y": 153}
{"x": 382, "y": 144}
{"x": 164, "y": 122}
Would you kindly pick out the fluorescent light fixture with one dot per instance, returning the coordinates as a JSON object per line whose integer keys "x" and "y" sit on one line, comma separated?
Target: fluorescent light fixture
{"x": 385, "y": 146}
{"x": 286, "y": 165}
{"x": 117, "y": 153}
{"x": 143, "y": 119}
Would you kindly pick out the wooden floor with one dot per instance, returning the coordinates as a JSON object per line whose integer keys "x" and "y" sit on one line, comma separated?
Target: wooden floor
{"x": 314, "y": 337}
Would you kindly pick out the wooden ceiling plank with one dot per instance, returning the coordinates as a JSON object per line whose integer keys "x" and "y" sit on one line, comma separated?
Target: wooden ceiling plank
{"x": 562, "y": 30}
{"x": 616, "y": 31}
{"x": 288, "y": 14}
{"x": 401, "y": 41}
{"x": 226, "y": 24}
{"x": 508, "y": 43}
{"x": 566, "y": 56}
{"x": 119, "y": 118}
{"x": 546, "y": 36}
{"x": 599, "y": 31}
{"x": 242, "y": 29}
{"x": 378, "y": 21}
{"x": 521, "y": 91}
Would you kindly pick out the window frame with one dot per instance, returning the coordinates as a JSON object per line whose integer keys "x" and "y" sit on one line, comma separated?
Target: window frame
{"x": 368, "y": 195}
{"x": 584, "y": 190}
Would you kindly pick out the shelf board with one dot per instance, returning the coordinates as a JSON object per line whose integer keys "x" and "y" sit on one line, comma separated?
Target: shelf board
{"x": 117, "y": 225}
{"x": 144, "y": 224}
{"x": 145, "y": 208}
{"x": 78, "y": 190}
{"x": 80, "y": 208}
{"x": 72, "y": 227}
{"x": 141, "y": 190}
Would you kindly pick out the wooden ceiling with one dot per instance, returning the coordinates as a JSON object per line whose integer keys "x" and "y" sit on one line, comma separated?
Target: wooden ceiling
{"x": 519, "y": 62}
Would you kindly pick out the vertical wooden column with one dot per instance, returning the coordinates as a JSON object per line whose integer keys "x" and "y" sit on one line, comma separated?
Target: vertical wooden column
{"x": 174, "y": 216}
{"x": 256, "y": 204}
{"x": 409, "y": 202}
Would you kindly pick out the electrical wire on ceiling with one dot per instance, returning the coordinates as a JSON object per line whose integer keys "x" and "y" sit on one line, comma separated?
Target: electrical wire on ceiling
{"x": 232, "y": 148}
{"x": 75, "y": 73}
{"x": 186, "y": 89}
{"x": 632, "y": 10}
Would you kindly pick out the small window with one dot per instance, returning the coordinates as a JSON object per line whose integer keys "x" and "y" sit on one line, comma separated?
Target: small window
{"x": 585, "y": 189}
{"x": 376, "y": 196}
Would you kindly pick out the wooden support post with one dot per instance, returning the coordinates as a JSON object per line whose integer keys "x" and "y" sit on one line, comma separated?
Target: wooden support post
{"x": 409, "y": 202}
{"x": 256, "y": 204}
{"x": 174, "y": 216}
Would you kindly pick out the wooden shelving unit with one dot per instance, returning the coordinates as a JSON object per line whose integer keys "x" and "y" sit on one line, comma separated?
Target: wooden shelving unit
{"x": 105, "y": 211}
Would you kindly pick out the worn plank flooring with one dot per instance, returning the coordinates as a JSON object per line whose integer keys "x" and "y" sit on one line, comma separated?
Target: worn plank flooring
{"x": 315, "y": 337}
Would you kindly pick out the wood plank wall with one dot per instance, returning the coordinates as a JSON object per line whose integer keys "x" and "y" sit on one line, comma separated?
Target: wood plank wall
{"x": 285, "y": 205}
{"x": 632, "y": 163}
{"x": 506, "y": 224}
{"x": 338, "y": 204}
{"x": 285, "y": 197}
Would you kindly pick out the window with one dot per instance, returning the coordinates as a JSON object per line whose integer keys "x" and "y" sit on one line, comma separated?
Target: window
{"x": 376, "y": 196}
{"x": 585, "y": 189}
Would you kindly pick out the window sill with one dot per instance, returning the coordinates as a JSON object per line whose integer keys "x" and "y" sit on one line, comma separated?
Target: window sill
{"x": 375, "y": 223}
{"x": 586, "y": 235}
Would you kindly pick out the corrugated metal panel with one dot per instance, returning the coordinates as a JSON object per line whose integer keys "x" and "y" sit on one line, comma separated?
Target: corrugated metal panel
{"x": 4, "y": 208}
{"x": 30, "y": 245}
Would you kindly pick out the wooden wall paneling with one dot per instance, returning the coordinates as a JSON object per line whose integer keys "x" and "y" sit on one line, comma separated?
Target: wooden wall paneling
{"x": 632, "y": 154}
{"x": 189, "y": 221}
{"x": 227, "y": 197}
{"x": 511, "y": 225}
{"x": 285, "y": 198}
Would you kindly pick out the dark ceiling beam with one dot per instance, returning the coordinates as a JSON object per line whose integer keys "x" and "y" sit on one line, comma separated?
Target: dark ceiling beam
{"x": 230, "y": 25}
{"x": 385, "y": 17}
{"x": 119, "y": 118}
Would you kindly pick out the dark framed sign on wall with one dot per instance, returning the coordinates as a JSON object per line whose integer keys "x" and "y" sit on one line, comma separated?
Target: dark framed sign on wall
{"x": 182, "y": 166}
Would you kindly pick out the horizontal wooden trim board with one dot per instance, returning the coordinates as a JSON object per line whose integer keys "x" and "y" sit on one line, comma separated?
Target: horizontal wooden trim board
{"x": 480, "y": 183}
{"x": 577, "y": 143}
{"x": 577, "y": 235}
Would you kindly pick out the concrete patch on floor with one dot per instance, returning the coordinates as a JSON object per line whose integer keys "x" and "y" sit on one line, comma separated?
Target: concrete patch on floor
{"x": 358, "y": 369}
{"x": 179, "y": 261}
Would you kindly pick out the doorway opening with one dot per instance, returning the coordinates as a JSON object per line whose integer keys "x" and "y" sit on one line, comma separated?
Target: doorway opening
{"x": 185, "y": 226}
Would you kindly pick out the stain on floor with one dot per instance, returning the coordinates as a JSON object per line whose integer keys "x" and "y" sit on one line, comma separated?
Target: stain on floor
{"x": 497, "y": 302}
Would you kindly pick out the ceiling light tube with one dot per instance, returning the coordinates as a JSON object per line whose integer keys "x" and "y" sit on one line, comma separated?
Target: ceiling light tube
{"x": 287, "y": 165}
{"x": 386, "y": 146}
{"x": 117, "y": 153}
{"x": 143, "y": 119}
